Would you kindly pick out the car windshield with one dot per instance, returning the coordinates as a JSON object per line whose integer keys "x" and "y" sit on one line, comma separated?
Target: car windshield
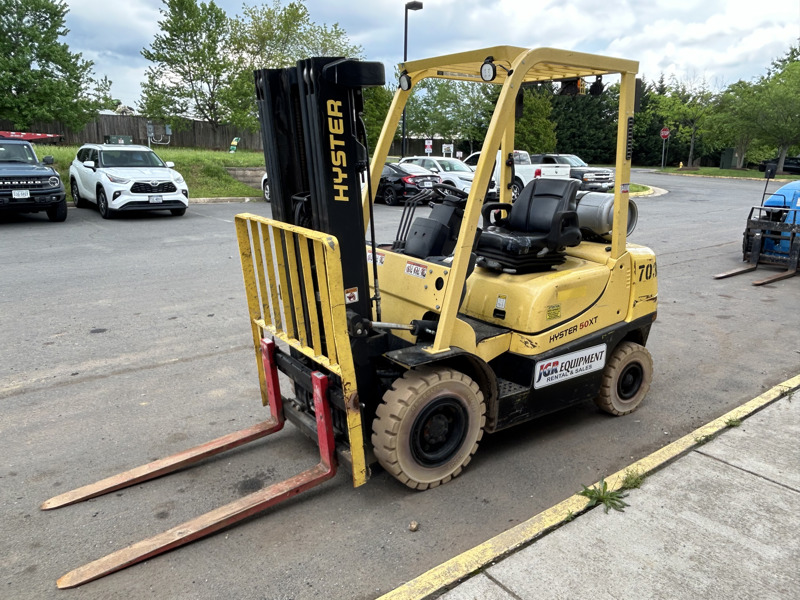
{"x": 129, "y": 158}
{"x": 452, "y": 164}
{"x": 20, "y": 153}
{"x": 574, "y": 161}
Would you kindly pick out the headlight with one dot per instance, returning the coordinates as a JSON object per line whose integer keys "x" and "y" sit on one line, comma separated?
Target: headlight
{"x": 115, "y": 179}
{"x": 54, "y": 181}
{"x": 178, "y": 177}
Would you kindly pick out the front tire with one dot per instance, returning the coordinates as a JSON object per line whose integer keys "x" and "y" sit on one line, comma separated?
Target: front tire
{"x": 428, "y": 426}
{"x": 626, "y": 379}
{"x": 58, "y": 212}
{"x": 102, "y": 205}
{"x": 76, "y": 195}
{"x": 177, "y": 212}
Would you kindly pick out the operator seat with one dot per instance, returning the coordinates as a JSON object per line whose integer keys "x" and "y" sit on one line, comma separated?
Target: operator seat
{"x": 541, "y": 223}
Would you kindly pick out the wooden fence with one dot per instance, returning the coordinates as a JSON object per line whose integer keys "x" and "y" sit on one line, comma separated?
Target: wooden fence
{"x": 198, "y": 135}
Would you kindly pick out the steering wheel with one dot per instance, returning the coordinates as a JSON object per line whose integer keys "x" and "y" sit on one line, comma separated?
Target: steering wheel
{"x": 444, "y": 189}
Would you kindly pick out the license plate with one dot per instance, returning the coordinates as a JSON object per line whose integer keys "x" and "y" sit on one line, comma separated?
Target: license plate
{"x": 427, "y": 184}
{"x": 156, "y": 199}
{"x": 20, "y": 193}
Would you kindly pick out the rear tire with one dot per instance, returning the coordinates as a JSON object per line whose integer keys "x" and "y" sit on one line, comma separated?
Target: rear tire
{"x": 516, "y": 189}
{"x": 177, "y": 212}
{"x": 265, "y": 188}
{"x": 389, "y": 196}
{"x": 428, "y": 426}
{"x": 626, "y": 379}
{"x": 58, "y": 212}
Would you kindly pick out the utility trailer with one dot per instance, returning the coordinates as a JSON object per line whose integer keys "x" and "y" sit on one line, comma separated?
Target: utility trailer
{"x": 478, "y": 316}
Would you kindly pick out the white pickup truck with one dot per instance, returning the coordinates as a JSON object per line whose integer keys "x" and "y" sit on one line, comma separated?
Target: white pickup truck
{"x": 524, "y": 170}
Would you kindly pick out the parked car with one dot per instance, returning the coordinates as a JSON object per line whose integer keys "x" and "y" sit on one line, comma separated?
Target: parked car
{"x": 265, "y": 187}
{"x": 121, "y": 178}
{"x": 524, "y": 170}
{"x": 452, "y": 171}
{"x": 400, "y": 182}
{"x": 791, "y": 164}
{"x": 593, "y": 179}
{"x": 27, "y": 185}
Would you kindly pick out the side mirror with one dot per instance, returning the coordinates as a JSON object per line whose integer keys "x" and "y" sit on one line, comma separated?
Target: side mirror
{"x": 769, "y": 171}
{"x": 170, "y": 164}
{"x": 89, "y": 164}
{"x": 48, "y": 160}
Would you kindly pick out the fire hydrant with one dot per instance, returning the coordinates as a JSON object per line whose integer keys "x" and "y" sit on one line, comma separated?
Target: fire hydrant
{"x": 680, "y": 165}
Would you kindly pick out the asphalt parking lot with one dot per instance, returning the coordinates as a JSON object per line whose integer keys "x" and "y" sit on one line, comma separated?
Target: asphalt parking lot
{"x": 127, "y": 340}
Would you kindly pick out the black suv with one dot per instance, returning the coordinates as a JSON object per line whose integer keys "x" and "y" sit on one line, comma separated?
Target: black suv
{"x": 28, "y": 186}
{"x": 791, "y": 164}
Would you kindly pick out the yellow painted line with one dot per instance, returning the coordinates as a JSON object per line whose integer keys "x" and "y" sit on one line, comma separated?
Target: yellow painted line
{"x": 481, "y": 556}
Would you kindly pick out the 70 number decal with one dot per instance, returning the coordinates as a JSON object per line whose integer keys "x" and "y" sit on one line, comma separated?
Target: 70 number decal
{"x": 648, "y": 271}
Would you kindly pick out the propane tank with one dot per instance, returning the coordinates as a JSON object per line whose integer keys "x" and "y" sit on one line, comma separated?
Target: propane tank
{"x": 596, "y": 213}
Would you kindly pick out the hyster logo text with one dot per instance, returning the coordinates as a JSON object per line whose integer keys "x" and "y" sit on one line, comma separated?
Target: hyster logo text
{"x": 338, "y": 155}
{"x": 571, "y": 365}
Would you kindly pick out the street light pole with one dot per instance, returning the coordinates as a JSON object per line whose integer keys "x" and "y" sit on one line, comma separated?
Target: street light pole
{"x": 409, "y": 6}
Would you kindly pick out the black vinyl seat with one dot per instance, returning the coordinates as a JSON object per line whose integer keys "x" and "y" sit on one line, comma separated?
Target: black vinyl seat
{"x": 541, "y": 223}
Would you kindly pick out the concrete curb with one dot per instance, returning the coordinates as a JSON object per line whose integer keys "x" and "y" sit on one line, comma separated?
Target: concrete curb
{"x": 225, "y": 200}
{"x": 468, "y": 563}
{"x": 651, "y": 193}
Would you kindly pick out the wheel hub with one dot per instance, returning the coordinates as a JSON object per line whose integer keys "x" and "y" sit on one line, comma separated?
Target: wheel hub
{"x": 438, "y": 432}
{"x": 630, "y": 380}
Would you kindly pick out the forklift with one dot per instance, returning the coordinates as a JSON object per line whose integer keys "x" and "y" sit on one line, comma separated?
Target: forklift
{"x": 772, "y": 233}
{"x": 478, "y": 316}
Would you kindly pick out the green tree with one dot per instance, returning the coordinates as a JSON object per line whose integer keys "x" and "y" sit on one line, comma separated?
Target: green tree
{"x": 776, "y": 114}
{"x": 376, "y": 106}
{"x": 474, "y": 105}
{"x": 192, "y": 64}
{"x": 730, "y": 123}
{"x": 40, "y": 78}
{"x": 273, "y": 37}
{"x": 586, "y": 125}
{"x": 647, "y": 124}
{"x": 535, "y": 131}
{"x": 686, "y": 107}
{"x": 779, "y": 64}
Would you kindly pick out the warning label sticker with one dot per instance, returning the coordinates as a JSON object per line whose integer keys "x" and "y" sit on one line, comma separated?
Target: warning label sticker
{"x": 416, "y": 269}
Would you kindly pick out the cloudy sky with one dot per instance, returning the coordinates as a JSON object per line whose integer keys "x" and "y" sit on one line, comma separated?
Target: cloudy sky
{"x": 719, "y": 40}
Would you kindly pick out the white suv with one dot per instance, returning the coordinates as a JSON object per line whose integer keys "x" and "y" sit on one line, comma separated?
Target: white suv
{"x": 126, "y": 178}
{"x": 452, "y": 171}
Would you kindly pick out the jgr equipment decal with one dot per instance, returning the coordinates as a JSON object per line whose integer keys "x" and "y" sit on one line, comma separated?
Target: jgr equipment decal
{"x": 560, "y": 368}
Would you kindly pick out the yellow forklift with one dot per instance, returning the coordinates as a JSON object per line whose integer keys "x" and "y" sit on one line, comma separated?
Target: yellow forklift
{"x": 480, "y": 315}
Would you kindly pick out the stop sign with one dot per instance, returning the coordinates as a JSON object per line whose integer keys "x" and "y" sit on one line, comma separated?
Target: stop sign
{"x": 664, "y": 133}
